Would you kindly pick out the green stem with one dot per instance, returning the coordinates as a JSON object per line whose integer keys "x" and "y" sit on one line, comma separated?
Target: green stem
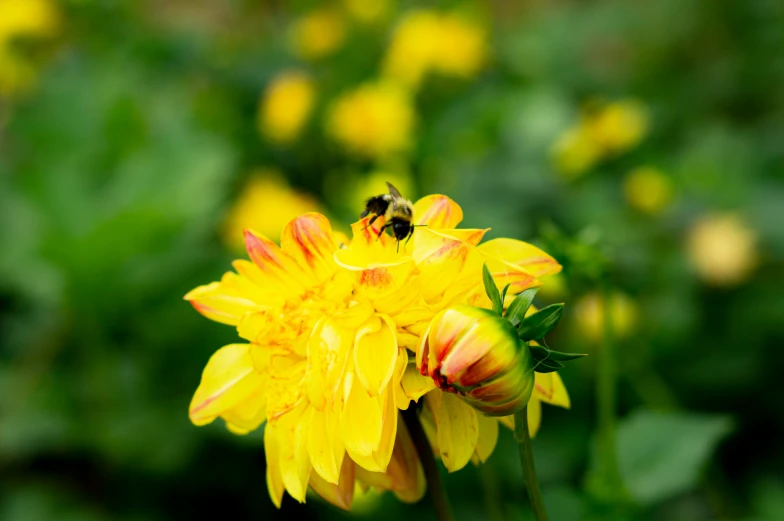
{"x": 527, "y": 461}
{"x": 434, "y": 485}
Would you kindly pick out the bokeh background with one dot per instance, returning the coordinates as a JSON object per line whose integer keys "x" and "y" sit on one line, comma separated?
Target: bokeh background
{"x": 639, "y": 142}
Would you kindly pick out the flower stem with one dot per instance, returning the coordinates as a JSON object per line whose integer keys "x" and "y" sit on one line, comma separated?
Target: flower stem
{"x": 434, "y": 485}
{"x": 527, "y": 461}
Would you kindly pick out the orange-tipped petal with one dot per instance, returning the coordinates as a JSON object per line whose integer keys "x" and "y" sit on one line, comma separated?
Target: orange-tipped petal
{"x": 375, "y": 355}
{"x": 278, "y": 269}
{"x": 535, "y": 261}
{"x": 437, "y": 211}
{"x": 223, "y": 301}
{"x": 340, "y": 494}
{"x": 228, "y": 381}
{"x": 440, "y": 259}
{"x": 308, "y": 239}
{"x": 457, "y": 429}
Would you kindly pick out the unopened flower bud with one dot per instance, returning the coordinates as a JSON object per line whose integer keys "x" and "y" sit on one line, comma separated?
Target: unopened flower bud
{"x": 477, "y": 354}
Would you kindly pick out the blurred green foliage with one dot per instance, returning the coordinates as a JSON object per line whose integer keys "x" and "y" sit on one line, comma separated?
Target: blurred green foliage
{"x": 117, "y": 168}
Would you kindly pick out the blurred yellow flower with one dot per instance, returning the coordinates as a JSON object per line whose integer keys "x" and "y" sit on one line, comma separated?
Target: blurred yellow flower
{"x": 427, "y": 40}
{"x": 366, "y": 11}
{"x": 318, "y": 34}
{"x": 329, "y": 334}
{"x": 589, "y": 315}
{"x": 266, "y": 203}
{"x": 553, "y": 287}
{"x": 648, "y": 189}
{"x": 22, "y": 19}
{"x": 286, "y": 106}
{"x": 608, "y": 130}
{"x": 374, "y": 120}
{"x": 619, "y": 126}
{"x": 722, "y": 248}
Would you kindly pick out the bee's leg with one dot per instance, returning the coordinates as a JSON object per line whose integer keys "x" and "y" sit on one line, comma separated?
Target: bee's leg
{"x": 371, "y": 221}
{"x": 381, "y": 231}
{"x": 410, "y": 234}
{"x": 397, "y": 250}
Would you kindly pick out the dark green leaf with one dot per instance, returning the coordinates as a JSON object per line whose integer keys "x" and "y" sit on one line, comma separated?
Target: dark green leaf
{"x": 519, "y": 306}
{"x": 492, "y": 290}
{"x": 503, "y": 294}
{"x": 540, "y": 323}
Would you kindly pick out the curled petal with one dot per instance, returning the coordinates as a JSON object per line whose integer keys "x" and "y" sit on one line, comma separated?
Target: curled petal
{"x": 488, "y": 437}
{"x": 534, "y": 416}
{"x": 550, "y": 389}
{"x": 274, "y": 478}
{"x": 457, "y": 428}
{"x": 247, "y": 416}
{"x": 340, "y": 494}
{"x": 535, "y": 261}
{"x": 375, "y": 355}
{"x": 308, "y": 239}
{"x": 437, "y": 211}
{"x": 228, "y": 381}
{"x": 414, "y": 384}
{"x": 291, "y": 432}
{"x": 325, "y": 446}
{"x": 361, "y": 421}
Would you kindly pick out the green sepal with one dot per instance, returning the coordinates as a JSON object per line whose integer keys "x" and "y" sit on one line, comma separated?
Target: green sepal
{"x": 492, "y": 290}
{"x": 503, "y": 294}
{"x": 543, "y": 353}
{"x": 519, "y": 306}
{"x": 547, "y": 366}
{"x": 536, "y": 326}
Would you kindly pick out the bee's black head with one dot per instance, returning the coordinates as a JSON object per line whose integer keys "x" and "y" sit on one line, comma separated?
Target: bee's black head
{"x": 401, "y": 228}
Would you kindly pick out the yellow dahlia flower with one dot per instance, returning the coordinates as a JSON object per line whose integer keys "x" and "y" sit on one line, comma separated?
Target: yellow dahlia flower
{"x": 318, "y": 34}
{"x": 286, "y": 106}
{"x": 330, "y": 335}
{"x": 722, "y": 249}
{"x": 648, "y": 189}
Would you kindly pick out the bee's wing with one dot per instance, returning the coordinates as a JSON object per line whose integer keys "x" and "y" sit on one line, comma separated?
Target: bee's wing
{"x": 393, "y": 190}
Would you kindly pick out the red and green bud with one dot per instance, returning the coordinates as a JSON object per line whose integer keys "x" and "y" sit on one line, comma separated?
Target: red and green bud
{"x": 477, "y": 354}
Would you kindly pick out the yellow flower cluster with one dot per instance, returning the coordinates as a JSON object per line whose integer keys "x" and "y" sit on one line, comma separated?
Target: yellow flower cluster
{"x": 428, "y": 41}
{"x": 375, "y": 120}
{"x": 368, "y": 12}
{"x": 22, "y": 19}
{"x": 590, "y": 315}
{"x": 286, "y": 106}
{"x": 607, "y": 131}
{"x": 329, "y": 336}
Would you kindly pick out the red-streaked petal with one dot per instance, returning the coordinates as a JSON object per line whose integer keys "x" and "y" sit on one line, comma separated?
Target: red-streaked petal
{"x": 308, "y": 240}
{"x": 550, "y": 389}
{"x": 437, "y": 211}
{"x": 535, "y": 261}
{"x": 278, "y": 269}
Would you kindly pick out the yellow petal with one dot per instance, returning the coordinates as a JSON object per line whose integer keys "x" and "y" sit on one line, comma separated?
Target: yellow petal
{"x": 368, "y": 249}
{"x": 334, "y": 344}
{"x": 360, "y": 421}
{"x": 534, "y": 416}
{"x": 274, "y": 479}
{"x": 375, "y": 354}
{"x": 221, "y": 302}
{"x": 535, "y": 261}
{"x": 277, "y": 269}
{"x": 488, "y": 437}
{"x": 507, "y": 421}
{"x": 549, "y": 388}
{"x": 440, "y": 259}
{"x": 437, "y": 211}
{"x": 389, "y": 431}
{"x": 284, "y": 387}
{"x": 247, "y": 416}
{"x": 340, "y": 494}
{"x": 458, "y": 429}
{"x": 308, "y": 240}
{"x": 228, "y": 380}
{"x": 414, "y": 384}
{"x": 291, "y": 431}
{"x": 325, "y": 445}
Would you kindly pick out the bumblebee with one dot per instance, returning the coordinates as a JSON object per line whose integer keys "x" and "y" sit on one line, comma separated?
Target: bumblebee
{"x": 398, "y": 213}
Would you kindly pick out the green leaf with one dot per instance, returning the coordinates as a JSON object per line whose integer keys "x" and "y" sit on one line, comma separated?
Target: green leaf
{"x": 519, "y": 306}
{"x": 558, "y": 356}
{"x": 661, "y": 455}
{"x": 540, "y": 323}
{"x": 492, "y": 290}
{"x": 503, "y": 294}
